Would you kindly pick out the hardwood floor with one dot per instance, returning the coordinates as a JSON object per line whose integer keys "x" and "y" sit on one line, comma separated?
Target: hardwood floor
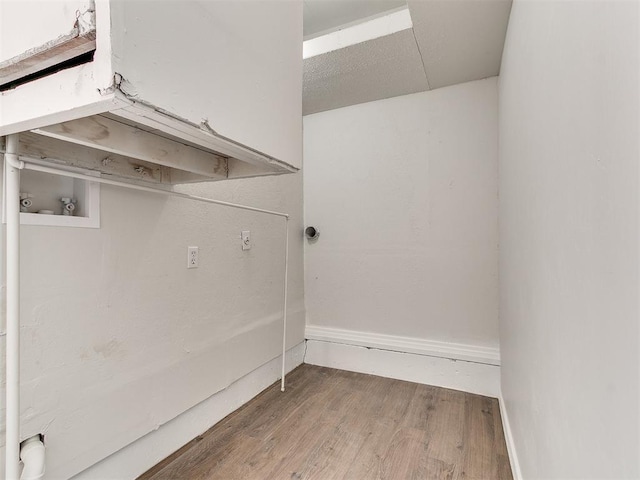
{"x": 332, "y": 424}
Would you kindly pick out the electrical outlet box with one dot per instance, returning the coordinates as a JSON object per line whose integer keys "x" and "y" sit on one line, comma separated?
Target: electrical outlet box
{"x": 192, "y": 257}
{"x": 246, "y": 240}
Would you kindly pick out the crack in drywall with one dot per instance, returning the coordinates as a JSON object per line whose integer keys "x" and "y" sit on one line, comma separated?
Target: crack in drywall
{"x": 86, "y": 20}
{"x": 368, "y": 347}
{"x": 424, "y": 68}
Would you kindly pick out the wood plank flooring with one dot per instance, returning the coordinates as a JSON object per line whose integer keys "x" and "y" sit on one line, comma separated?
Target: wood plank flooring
{"x": 333, "y": 424}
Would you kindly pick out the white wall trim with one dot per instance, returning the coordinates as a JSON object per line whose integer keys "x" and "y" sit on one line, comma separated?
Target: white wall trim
{"x": 144, "y": 453}
{"x": 361, "y": 32}
{"x": 418, "y": 346}
{"x": 508, "y": 436}
{"x": 478, "y": 378}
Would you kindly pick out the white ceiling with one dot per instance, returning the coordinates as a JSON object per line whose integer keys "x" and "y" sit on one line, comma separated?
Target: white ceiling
{"x": 451, "y": 42}
{"x": 380, "y": 68}
{"x": 325, "y": 15}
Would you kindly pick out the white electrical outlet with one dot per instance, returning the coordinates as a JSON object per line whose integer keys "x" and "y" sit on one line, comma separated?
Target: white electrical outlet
{"x": 246, "y": 240}
{"x": 192, "y": 257}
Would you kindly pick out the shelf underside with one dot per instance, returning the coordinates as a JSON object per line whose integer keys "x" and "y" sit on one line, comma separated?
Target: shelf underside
{"x": 115, "y": 146}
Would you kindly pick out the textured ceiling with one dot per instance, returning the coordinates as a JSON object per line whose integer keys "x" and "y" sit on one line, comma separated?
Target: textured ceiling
{"x": 451, "y": 42}
{"x": 325, "y": 15}
{"x": 380, "y": 68}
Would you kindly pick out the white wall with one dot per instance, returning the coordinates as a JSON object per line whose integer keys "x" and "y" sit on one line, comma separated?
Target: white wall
{"x": 55, "y": 19}
{"x": 242, "y": 58}
{"x": 404, "y": 193}
{"x": 118, "y": 337}
{"x": 569, "y": 150}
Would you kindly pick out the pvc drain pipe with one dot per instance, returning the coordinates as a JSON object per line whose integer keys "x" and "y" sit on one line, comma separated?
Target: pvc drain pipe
{"x": 32, "y": 456}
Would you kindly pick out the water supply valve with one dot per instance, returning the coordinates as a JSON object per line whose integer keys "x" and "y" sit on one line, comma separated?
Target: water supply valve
{"x": 68, "y": 205}
{"x": 25, "y": 202}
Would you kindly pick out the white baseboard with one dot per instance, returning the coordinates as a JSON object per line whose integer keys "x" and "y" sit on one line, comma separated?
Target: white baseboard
{"x": 479, "y": 378}
{"x": 508, "y": 436}
{"x": 138, "y": 457}
{"x": 394, "y": 343}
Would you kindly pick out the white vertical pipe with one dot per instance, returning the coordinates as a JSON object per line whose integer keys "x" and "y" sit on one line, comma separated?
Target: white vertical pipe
{"x": 12, "y": 199}
{"x": 284, "y": 314}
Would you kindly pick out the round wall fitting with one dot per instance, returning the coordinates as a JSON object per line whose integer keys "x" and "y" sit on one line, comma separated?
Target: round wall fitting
{"x": 312, "y": 233}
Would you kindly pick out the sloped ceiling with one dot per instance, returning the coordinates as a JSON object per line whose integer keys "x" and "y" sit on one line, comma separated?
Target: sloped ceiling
{"x": 451, "y": 42}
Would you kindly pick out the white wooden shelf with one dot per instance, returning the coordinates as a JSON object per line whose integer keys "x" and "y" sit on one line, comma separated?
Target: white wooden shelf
{"x": 194, "y": 105}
